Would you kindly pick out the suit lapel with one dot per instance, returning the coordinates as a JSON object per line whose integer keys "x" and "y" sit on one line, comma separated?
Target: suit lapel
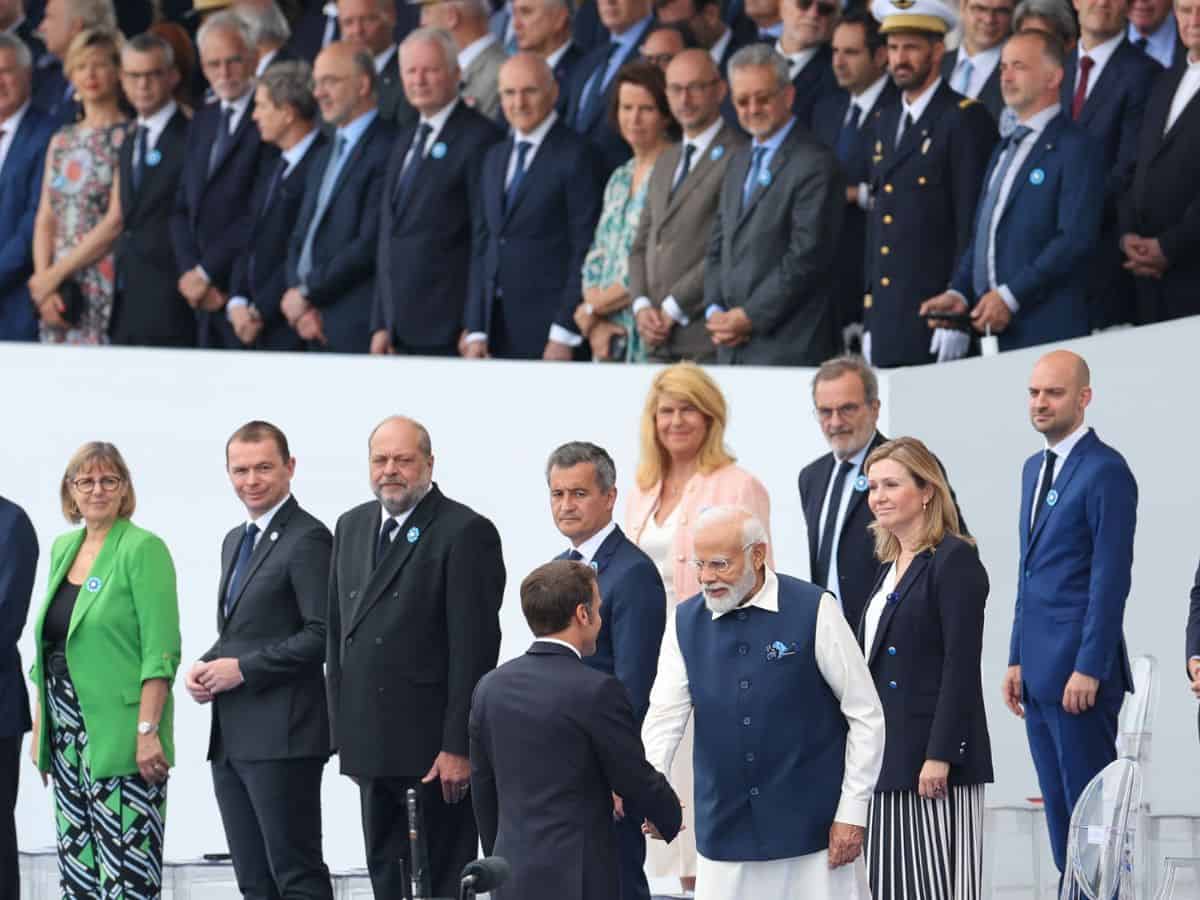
{"x": 244, "y": 123}
{"x": 15, "y": 146}
{"x": 699, "y": 171}
{"x": 778, "y": 160}
{"x": 262, "y": 550}
{"x": 98, "y": 575}
{"x": 1185, "y": 116}
{"x": 1060, "y": 484}
{"x": 1045, "y": 143}
{"x": 915, "y": 136}
{"x": 812, "y": 512}
{"x": 494, "y": 197}
{"x": 532, "y": 171}
{"x": 607, "y": 549}
{"x": 857, "y": 497}
{"x": 895, "y": 598}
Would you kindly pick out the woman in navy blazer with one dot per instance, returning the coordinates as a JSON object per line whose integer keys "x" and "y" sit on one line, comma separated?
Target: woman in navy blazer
{"x": 922, "y": 633}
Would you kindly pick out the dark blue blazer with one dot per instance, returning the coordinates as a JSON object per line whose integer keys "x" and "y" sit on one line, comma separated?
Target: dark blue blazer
{"x": 593, "y": 123}
{"x": 634, "y": 614}
{"x": 342, "y": 281}
{"x": 310, "y": 31}
{"x": 1074, "y": 573}
{"x": 425, "y": 239}
{"x": 530, "y": 254}
{"x": 1193, "y": 622}
{"x": 1047, "y": 229}
{"x": 564, "y": 73}
{"x": 18, "y": 565}
{"x": 990, "y": 95}
{"x": 20, "y": 191}
{"x": 587, "y": 31}
{"x": 925, "y": 662}
{"x": 813, "y": 83}
{"x": 260, "y": 272}
{"x": 52, "y": 93}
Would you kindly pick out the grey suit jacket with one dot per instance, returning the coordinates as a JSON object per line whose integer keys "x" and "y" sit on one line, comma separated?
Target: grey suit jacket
{"x": 479, "y": 87}
{"x": 774, "y": 259}
{"x": 667, "y": 256}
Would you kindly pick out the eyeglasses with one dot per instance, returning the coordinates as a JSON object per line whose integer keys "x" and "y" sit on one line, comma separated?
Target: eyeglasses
{"x": 745, "y": 101}
{"x": 87, "y": 485}
{"x": 845, "y": 411}
{"x": 719, "y": 565}
{"x": 692, "y": 88}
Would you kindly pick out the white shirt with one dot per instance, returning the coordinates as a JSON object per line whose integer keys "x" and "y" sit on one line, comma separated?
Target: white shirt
{"x": 10, "y": 126}
{"x": 589, "y": 547}
{"x": 293, "y": 154}
{"x": 156, "y": 124}
{"x": 436, "y": 123}
{"x": 841, "y": 664}
{"x": 553, "y": 59}
{"x": 470, "y": 53}
{"x": 983, "y": 64}
{"x": 385, "y": 59}
{"x": 264, "y": 61}
{"x": 1100, "y": 55}
{"x": 1188, "y": 85}
{"x": 848, "y": 490}
{"x": 717, "y": 50}
{"x": 875, "y": 609}
{"x": 1061, "y": 451}
{"x": 264, "y": 521}
{"x": 329, "y": 11}
{"x": 401, "y": 518}
{"x": 571, "y": 647}
{"x": 917, "y": 108}
{"x": 239, "y": 107}
{"x": 796, "y": 61}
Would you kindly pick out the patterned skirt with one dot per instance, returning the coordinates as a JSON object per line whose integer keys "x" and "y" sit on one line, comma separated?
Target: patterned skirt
{"x": 920, "y": 849}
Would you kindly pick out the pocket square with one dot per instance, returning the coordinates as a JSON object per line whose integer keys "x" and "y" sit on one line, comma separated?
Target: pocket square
{"x": 778, "y": 649}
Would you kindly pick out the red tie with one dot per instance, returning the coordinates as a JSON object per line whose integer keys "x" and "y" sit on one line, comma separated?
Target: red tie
{"x": 1085, "y": 69}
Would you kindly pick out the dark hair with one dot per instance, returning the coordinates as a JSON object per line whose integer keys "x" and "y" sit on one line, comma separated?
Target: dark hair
{"x": 257, "y": 431}
{"x": 289, "y": 83}
{"x": 870, "y": 27}
{"x": 552, "y": 592}
{"x": 1053, "y": 49}
{"x": 578, "y": 453}
{"x": 680, "y": 28}
{"x": 648, "y": 76}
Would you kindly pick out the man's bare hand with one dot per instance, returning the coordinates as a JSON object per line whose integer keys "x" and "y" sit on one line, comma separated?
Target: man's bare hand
{"x": 845, "y": 843}
{"x": 454, "y": 772}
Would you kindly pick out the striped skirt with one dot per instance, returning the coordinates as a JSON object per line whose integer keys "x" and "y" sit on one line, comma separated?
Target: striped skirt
{"x": 919, "y": 849}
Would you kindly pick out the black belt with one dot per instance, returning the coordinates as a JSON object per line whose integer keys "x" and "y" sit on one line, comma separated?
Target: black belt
{"x": 56, "y": 663}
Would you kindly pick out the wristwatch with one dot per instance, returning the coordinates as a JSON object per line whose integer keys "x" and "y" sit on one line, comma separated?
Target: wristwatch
{"x": 147, "y": 728}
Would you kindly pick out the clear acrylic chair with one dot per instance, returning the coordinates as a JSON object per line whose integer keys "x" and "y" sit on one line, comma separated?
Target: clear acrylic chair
{"x": 354, "y": 884}
{"x": 1134, "y": 738}
{"x": 1180, "y": 880}
{"x": 1100, "y": 842}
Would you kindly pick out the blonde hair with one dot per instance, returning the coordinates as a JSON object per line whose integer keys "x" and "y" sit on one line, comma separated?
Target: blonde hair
{"x": 688, "y": 382}
{"x": 96, "y": 454}
{"x": 99, "y": 38}
{"x": 941, "y": 515}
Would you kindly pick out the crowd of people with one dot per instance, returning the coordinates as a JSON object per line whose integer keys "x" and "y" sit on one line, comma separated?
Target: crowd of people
{"x": 820, "y": 738}
{"x": 750, "y": 181}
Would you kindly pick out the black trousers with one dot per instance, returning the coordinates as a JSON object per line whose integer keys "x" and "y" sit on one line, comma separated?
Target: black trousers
{"x": 451, "y": 836}
{"x": 10, "y": 770}
{"x": 631, "y": 856}
{"x": 271, "y": 810}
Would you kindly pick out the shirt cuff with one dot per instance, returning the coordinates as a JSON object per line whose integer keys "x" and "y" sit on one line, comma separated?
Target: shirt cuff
{"x": 671, "y": 308}
{"x": 864, "y": 196}
{"x": 477, "y": 337}
{"x": 641, "y": 303}
{"x": 712, "y": 309}
{"x": 560, "y": 335}
{"x": 852, "y": 811}
{"x": 1009, "y": 300}
{"x": 203, "y": 274}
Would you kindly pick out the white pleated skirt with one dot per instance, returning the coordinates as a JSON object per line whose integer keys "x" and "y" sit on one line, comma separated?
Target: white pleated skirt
{"x": 920, "y": 849}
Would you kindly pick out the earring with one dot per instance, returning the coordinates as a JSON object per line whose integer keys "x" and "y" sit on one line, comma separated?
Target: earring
{"x": 924, "y": 506}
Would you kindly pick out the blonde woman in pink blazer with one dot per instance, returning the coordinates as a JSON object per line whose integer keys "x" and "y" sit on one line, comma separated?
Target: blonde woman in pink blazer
{"x": 684, "y": 467}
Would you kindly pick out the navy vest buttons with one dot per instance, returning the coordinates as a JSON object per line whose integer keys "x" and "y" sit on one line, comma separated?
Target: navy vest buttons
{"x": 744, "y": 683}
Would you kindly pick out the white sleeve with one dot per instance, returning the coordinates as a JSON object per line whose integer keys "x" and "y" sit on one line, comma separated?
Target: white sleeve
{"x": 841, "y": 663}
{"x": 670, "y": 703}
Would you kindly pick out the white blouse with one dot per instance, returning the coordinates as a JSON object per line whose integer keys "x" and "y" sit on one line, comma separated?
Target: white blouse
{"x": 875, "y": 609}
{"x": 657, "y": 542}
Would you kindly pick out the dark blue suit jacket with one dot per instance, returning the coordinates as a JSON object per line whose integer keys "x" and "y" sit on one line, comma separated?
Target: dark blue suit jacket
{"x": 1074, "y": 572}
{"x": 342, "y": 281}
{"x": 20, "y": 190}
{"x": 593, "y": 123}
{"x": 634, "y": 614}
{"x": 814, "y": 82}
{"x": 260, "y": 273}
{"x": 1047, "y": 230}
{"x": 530, "y": 255}
{"x": 17, "y": 567}
{"x": 564, "y": 73}
{"x": 424, "y": 253}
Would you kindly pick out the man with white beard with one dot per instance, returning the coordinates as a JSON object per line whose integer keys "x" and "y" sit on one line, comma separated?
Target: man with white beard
{"x": 789, "y": 728}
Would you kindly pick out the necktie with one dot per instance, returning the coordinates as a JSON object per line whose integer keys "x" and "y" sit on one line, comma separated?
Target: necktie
{"x": 983, "y": 233}
{"x": 905, "y": 124}
{"x": 223, "y": 139}
{"x": 304, "y": 266}
{"x": 825, "y": 549}
{"x": 385, "y": 539}
{"x": 596, "y": 84}
{"x": 962, "y": 75}
{"x": 1047, "y": 479}
{"x": 139, "y": 156}
{"x": 756, "y": 160}
{"x": 685, "y": 167}
{"x": 1142, "y": 44}
{"x": 416, "y": 156}
{"x": 846, "y": 137}
{"x": 330, "y": 34}
{"x": 1085, "y": 69}
{"x": 245, "y": 548}
{"x": 575, "y": 556}
{"x": 510, "y": 194}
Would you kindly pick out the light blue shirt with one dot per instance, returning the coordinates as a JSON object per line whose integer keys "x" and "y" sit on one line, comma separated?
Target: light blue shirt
{"x": 627, "y": 43}
{"x": 848, "y": 490}
{"x": 352, "y": 133}
{"x": 1161, "y": 44}
{"x": 771, "y": 144}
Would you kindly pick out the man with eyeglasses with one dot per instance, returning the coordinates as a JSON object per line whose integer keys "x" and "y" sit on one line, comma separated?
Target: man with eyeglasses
{"x": 785, "y": 796}
{"x": 666, "y": 260}
{"x": 928, "y": 158}
{"x": 769, "y": 274}
{"x": 974, "y": 71}
{"x": 544, "y": 27}
{"x": 807, "y": 29}
{"x": 148, "y": 309}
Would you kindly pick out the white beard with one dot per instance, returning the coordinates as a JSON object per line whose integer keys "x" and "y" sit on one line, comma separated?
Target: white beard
{"x": 735, "y": 593}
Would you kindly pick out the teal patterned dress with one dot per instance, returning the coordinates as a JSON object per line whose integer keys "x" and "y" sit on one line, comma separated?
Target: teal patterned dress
{"x": 607, "y": 261}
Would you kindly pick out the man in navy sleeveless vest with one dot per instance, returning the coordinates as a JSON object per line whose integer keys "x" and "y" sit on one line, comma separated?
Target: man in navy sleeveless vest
{"x": 788, "y": 726}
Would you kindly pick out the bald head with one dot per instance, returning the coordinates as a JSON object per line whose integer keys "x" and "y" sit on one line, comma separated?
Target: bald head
{"x": 1059, "y": 393}
{"x": 528, "y": 91}
{"x": 344, "y": 76}
{"x": 694, "y": 90}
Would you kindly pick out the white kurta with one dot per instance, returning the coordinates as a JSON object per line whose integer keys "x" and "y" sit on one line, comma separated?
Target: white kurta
{"x": 844, "y": 669}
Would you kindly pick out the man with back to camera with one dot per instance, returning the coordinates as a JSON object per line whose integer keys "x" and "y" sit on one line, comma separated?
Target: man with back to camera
{"x": 1068, "y": 669}
{"x": 582, "y": 480}
{"x": 269, "y": 738}
{"x": 550, "y": 813}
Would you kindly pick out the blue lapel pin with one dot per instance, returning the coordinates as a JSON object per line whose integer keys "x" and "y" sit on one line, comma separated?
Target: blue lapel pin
{"x": 1037, "y": 176}
{"x": 413, "y": 534}
{"x": 93, "y": 584}
{"x": 893, "y": 597}
{"x": 860, "y": 483}
{"x": 438, "y": 151}
{"x": 1052, "y": 497}
{"x": 764, "y": 178}
{"x": 717, "y": 152}
{"x": 595, "y": 566}
{"x": 153, "y": 157}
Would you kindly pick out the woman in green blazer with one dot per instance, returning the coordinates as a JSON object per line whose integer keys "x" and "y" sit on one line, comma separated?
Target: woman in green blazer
{"x": 107, "y": 642}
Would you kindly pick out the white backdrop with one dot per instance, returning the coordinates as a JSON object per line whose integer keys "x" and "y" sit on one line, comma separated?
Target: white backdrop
{"x": 492, "y": 428}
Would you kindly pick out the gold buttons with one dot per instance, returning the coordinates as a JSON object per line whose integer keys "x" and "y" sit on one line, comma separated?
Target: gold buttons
{"x": 885, "y": 281}
{"x": 921, "y": 179}
{"x": 887, "y": 219}
{"x": 887, "y": 188}
{"x": 885, "y": 250}
{"x": 867, "y": 301}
